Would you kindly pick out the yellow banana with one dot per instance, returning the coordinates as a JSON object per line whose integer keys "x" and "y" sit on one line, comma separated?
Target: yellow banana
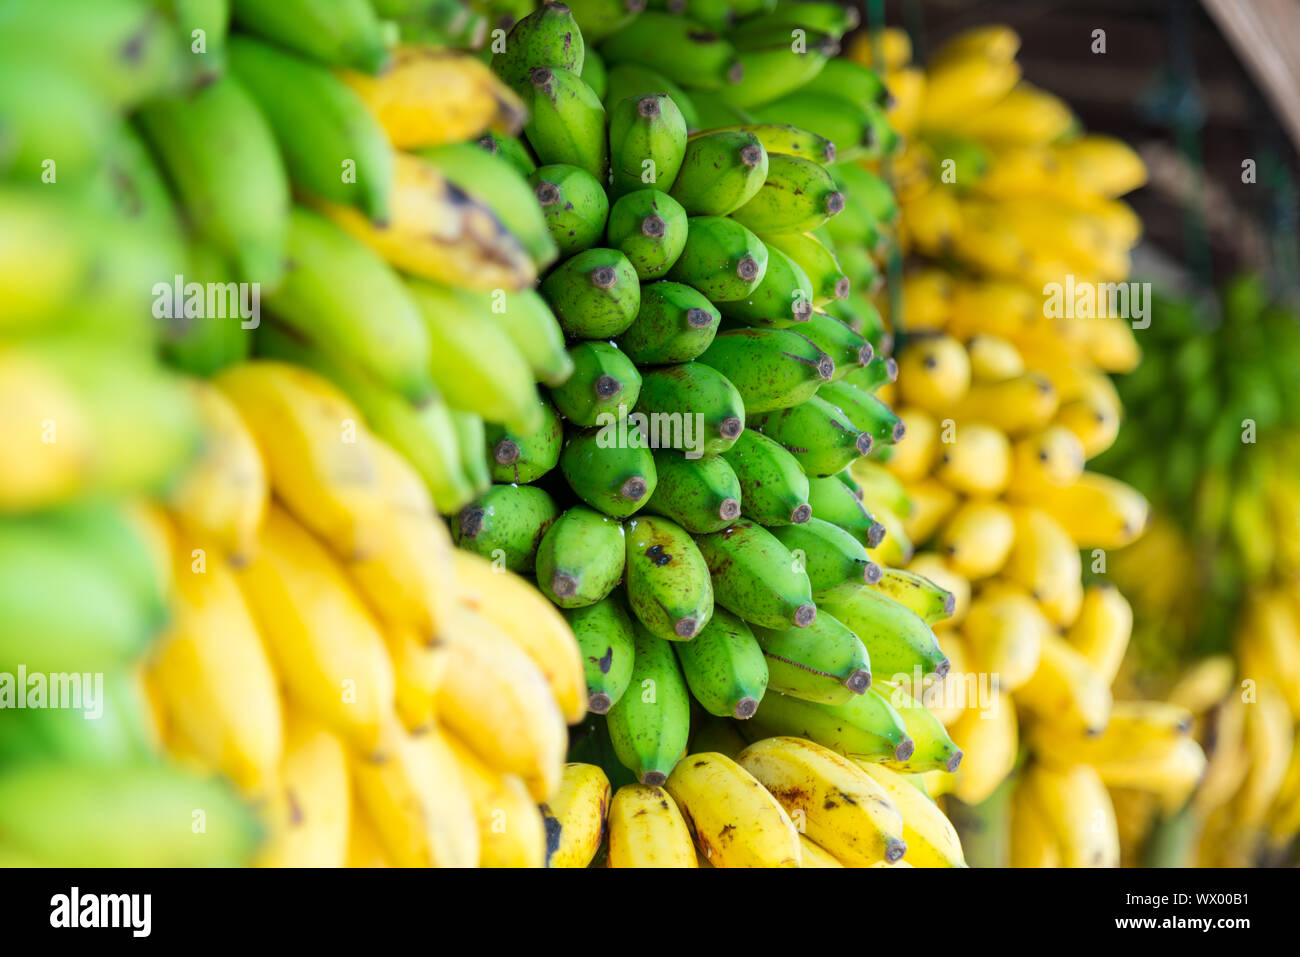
{"x": 647, "y": 830}
{"x": 992, "y": 307}
{"x": 916, "y": 451}
{"x": 1201, "y": 686}
{"x": 888, "y": 48}
{"x": 1078, "y": 813}
{"x": 1228, "y": 753}
{"x": 1026, "y": 116}
{"x": 1052, "y": 457}
{"x": 575, "y": 816}
{"x": 978, "y": 460}
{"x": 977, "y": 538}
{"x": 364, "y": 846}
{"x": 988, "y": 737}
{"x": 1268, "y": 643}
{"x": 932, "y": 220}
{"x": 907, "y": 85}
{"x": 931, "y": 839}
{"x": 927, "y": 293}
{"x": 510, "y": 828}
{"x": 932, "y": 503}
{"x": 1269, "y": 740}
{"x": 814, "y": 855}
{"x": 1097, "y": 511}
{"x": 1045, "y": 562}
{"x": 933, "y": 373}
{"x": 1105, "y": 165}
{"x": 1004, "y": 633}
{"x": 965, "y": 84}
{"x": 993, "y": 359}
{"x": 1101, "y": 631}
{"x": 311, "y": 811}
{"x": 994, "y": 42}
{"x": 1065, "y": 690}
{"x": 1032, "y": 841}
{"x": 1015, "y": 405}
{"x": 418, "y": 668}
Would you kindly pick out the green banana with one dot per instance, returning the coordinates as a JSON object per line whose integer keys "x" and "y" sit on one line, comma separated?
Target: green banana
{"x": 847, "y": 125}
{"x": 775, "y": 65}
{"x": 647, "y": 143}
{"x": 812, "y": 256}
{"x": 580, "y": 559}
{"x": 499, "y": 186}
{"x": 898, "y": 640}
{"x": 774, "y": 490}
{"x": 782, "y": 299}
{"x": 830, "y": 556}
{"x": 807, "y": 15}
{"x": 595, "y": 294}
{"x": 680, "y": 49}
{"x": 869, "y": 189}
{"x": 633, "y": 79}
{"x": 933, "y": 749}
{"x": 650, "y": 726}
{"x": 873, "y": 482}
{"x": 834, "y": 502}
{"x": 722, "y": 259}
{"x": 708, "y": 405}
{"x": 212, "y": 18}
{"x": 574, "y": 206}
{"x": 323, "y": 128}
{"x": 824, "y": 662}
{"x": 114, "y": 731}
{"x": 668, "y": 585}
{"x": 547, "y": 37}
{"x": 725, "y": 668}
{"x": 713, "y": 112}
{"x": 855, "y": 261}
{"x": 863, "y": 727}
{"x": 720, "y": 173}
{"x": 916, "y": 592}
{"x": 522, "y": 458}
{"x": 846, "y": 348}
{"x": 566, "y": 120}
{"x": 717, "y": 15}
{"x": 860, "y": 314}
{"x": 335, "y": 32}
{"x": 817, "y": 434}
{"x": 475, "y": 364}
{"x": 881, "y": 370}
{"x": 851, "y": 81}
{"x": 604, "y": 635}
{"x": 342, "y": 296}
{"x": 510, "y": 149}
{"x": 649, "y": 228}
{"x": 237, "y": 197}
{"x": 471, "y": 435}
{"x": 201, "y": 346}
{"x": 603, "y": 381}
{"x": 756, "y": 577}
{"x": 675, "y": 323}
{"x": 599, "y": 18}
{"x": 788, "y": 140}
{"x": 771, "y": 368}
{"x": 530, "y": 324}
{"x": 506, "y": 524}
{"x": 700, "y": 494}
{"x": 865, "y": 411}
{"x": 594, "y": 73}
{"x": 797, "y": 196}
{"x": 616, "y": 478}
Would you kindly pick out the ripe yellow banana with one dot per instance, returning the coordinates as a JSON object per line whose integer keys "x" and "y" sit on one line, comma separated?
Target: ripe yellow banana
{"x": 419, "y": 664}
{"x": 364, "y": 846}
{"x": 988, "y": 737}
{"x": 931, "y": 839}
{"x": 1101, "y": 631}
{"x": 407, "y": 577}
{"x": 1104, "y": 165}
{"x": 1026, "y": 116}
{"x": 1045, "y": 562}
{"x": 1098, "y": 511}
{"x": 311, "y": 810}
{"x": 932, "y": 503}
{"x": 814, "y": 855}
{"x": 1065, "y": 690}
{"x": 993, "y": 359}
{"x": 963, "y": 85}
{"x": 978, "y": 462}
{"x": 1005, "y": 632}
{"x": 1203, "y": 685}
{"x": 510, "y": 828}
{"x": 1269, "y": 741}
{"x": 916, "y": 451}
{"x": 1268, "y": 643}
{"x": 1032, "y": 842}
{"x": 1015, "y": 405}
{"x": 977, "y": 538}
{"x": 934, "y": 373}
{"x": 1229, "y": 757}
{"x": 1052, "y": 457}
{"x": 575, "y": 816}
{"x": 647, "y": 830}
{"x": 1078, "y": 813}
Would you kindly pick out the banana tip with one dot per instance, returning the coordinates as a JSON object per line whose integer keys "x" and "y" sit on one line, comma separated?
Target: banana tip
{"x": 899, "y": 430}
{"x": 942, "y": 667}
{"x": 894, "y": 850}
{"x": 805, "y": 615}
{"x": 654, "y": 227}
{"x": 875, "y": 535}
{"x": 505, "y": 452}
{"x": 872, "y": 574}
{"x": 835, "y": 203}
{"x": 842, "y": 287}
{"x": 686, "y": 627}
{"x": 564, "y": 585}
{"x": 801, "y": 514}
{"x": 698, "y": 318}
{"x": 633, "y": 489}
{"x": 607, "y": 387}
{"x": 859, "y": 681}
{"x": 826, "y": 367}
{"x": 648, "y": 106}
{"x": 904, "y": 749}
{"x": 863, "y": 443}
{"x": 747, "y": 269}
{"x": 471, "y": 522}
{"x": 745, "y": 708}
{"x": 954, "y": 762}
{"x": 729, "y": 509}
{"x": 731, "y": 427}
{"x": 866, "y": 353}
{"x": 655, "y": 779}
{"x": 949, "y": 604}
{"x": 599, "y": 703}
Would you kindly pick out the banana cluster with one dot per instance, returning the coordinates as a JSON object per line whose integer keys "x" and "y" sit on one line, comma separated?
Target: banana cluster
{"x": 1012, "y": 218}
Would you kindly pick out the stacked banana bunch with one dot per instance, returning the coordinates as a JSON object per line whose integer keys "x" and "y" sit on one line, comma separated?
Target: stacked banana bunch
{"x": 248, "y": 552}
{"x": 1004, "y": 397}
{"x": 683, "y": 495}
{"x": 1217, "y": 390}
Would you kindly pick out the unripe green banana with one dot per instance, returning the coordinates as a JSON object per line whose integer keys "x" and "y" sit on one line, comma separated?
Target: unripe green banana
{"x": 847, "y": 125}
{"x": 599, "y": 18}
{"x": 680, "y": 49}
{"x": 774, "y": 490}
{"x": 855, "y": 260}
{"x": 851, "y": 81}
{"x": 824, "y": 662}
{"x": 647, "y": 143}
{"x": 471, "y": 436}
{"x": 566, "y": 120}
{"x": 119, "y": 735}
{"x": 547, "y": 37}
{"x": 717, "y": 15}
{"x": 650, "y": 726}
{"x": 633, "y": 79}
{"x": 521, "y": 458}
{"x": 511, "y": 149}
{"x": 881, "y": 370}
{"x": 534, "y": 330}
{"x": 725, "y": 667}
{"x": 334, "y": 32}
{"x": 819, "y": 15}
{"x": 863, "y": 727}
{"x": 722, "y": 259}
{"x": 774, "y": 67}
{"x": 861, "y": 315}
{"x": 675, "y": 323}
{"x": 616, "y": 478}
{"x": 789, "y": 140}
{"x": 603, "y": 381}
{"x": 771, "y": 368}
{"x": 933, "y": 749}
{"x": 896, "y": 637}
{"x": 668, "y": 584}
{"x": 755, "y": 577}
{"x": 714, "y": 112}
{"x": 604, "y": 635}
{"x": 701, "y": 495}
{"x": 831, "y": 556}
{"x": 829, "y": 334}
{"x": 594, "y": 74}
{"x": 595, "y": 294}
{"x": 573, "y": 204}
{"x": 321, "y": 125}
{"x": 819, "y": 436}
{"x": 832, "y": 501}
{"x": 812, "y": 256}
{"x": 719, "y": 173}
{"x": 506, "y": 524}
{"x": 710, "y": 410}
{"x": 865, "y": 411}
{"x": 580, "y": 559}
{"x": 931, "y": 602}
{"x": 869, "y": 189}
{"x": 797, "y": 196}
{"x": 782, "y": 299}
{"x": 649, "y": 228}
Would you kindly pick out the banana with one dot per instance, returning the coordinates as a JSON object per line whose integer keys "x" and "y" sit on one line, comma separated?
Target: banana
{"x": 703, "y": 399}
{"x": 497, "y": 701}
{"x": 701, "y": 495}
{"x": 647, "y": 143}
{"x": 575, "y": 816}
{"x": 756, "y": 577}
{"x": 1138, "y": 731}
{"x": 649, "y": 228}
{"x": 1045, "y": 561}
{"x": 604, "y": 635}
{"x": 1203, "y": 684}
{"x": 650, "y": 724}
{"x": 930, "y": 837}
{"x": 719, "y": 173}
{"x": 832, "y": 558}
{"x": 721, "y": 258}
{"x": 344, "y": 33}
{"x": 674, "y": 323}
{"x": 239, "y": 199}
{"x": 865, "y": 412}
{"x": 817, "y": 261}
{"x": 566, "y": 120}
{"x": 1065, "y": 690}
{"x": 834, "y": 502}
{"x": 1268, "y": 642}
{"x": 783, "y": 298}
{"x": 616, "y": 479}
{"x": 668, "y": 584}
{"x": 1269, "y": 741}
{"x": 817, "y": 434}
{"x": 678, "y": 48}
{"x": 824, "y": 663}
{"x": 852, "y": 127}
{"x": 580, "y": 558}
{"x": 977, "y": 538}
{"x": 525, "y": 457}
{"x": 864, "y": 727}
{"x": 1078, "y": 813}
{"x": 548, "y": 36}
{"x": 1005, "y": 632}
{"x": 932, "y": 566}
{"x": 898, "y": 640}
{"x": 647, "y": 830}
{"x": 847, "y": 349}
{"x": 989, "y": 738}
{"x": 311, "y": 813}
{"x": 1098, "y": 511}
{"x": 733, "y": 819}
{"x": 773, "y": 489}
{"x": 929, "y": 600}
{"x": 573, "y": 203}
{"x": 1032, "y": 841}
{"x": 595, "y": 294}
{"x": 511, "y": 830}
{"x": 418, "y": 666}
{"x": 1101, "y": 630}
{"x": 771, "y": 368}
{"x": 1052, "y": 457}
{"x": 1016, "y": 405}
{"x": 797, "y": 196}
{"x": 932, "y": 748}
{"x": 934, "y": 374}
{"x": 1105, "y": 165}
{"x": 787, "y": 140}
{"x": 773, "y": 65}
{"x": 724, "y": 667}
{"x": 506, "y": 525}
{"x": 603, "y": 380}
{"x": 978, "y": 462}
{"x": 535, "y": 332}
{"x": 633, "y": 79}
